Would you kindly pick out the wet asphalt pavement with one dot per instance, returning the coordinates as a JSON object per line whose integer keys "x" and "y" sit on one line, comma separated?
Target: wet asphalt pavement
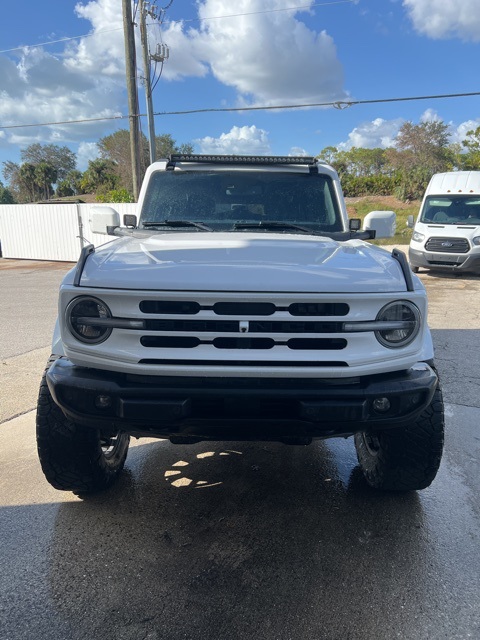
{"x": 238, "y": 540}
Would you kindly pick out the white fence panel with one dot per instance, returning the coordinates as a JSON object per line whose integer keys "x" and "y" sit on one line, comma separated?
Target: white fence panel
{"x": 50, "y": 232}
{"x": 39, "y": 232}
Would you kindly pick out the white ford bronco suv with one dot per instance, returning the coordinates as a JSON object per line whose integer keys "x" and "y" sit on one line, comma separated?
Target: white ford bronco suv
{"x": 242, "y": 304}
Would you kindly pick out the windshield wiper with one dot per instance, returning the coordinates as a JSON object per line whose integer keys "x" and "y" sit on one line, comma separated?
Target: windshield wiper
{"x": 276, "y": 224}
{"x": 175, "y": 224}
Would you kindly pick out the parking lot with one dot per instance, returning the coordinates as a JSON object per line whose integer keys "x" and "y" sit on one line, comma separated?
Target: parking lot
{"x": 278, "y": 543}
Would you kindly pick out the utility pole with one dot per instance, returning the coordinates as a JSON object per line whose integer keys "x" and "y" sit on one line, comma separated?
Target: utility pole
{"x": 147, "y": 79}
{"x": 131, "y": 73}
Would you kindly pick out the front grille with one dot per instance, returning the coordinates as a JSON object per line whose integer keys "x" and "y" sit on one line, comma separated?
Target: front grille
{"x": 209, "y": 328}
{"x": 448, "y": 245}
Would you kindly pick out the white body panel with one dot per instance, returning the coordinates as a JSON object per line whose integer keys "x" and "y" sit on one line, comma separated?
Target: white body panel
{"x": 242, "y": 262}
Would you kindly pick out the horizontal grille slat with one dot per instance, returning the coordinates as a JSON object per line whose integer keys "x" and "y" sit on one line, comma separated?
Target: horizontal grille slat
{"x": 297, "y": 344}
{"x": 243, "y": 363}
{"x": 190, "y": 307}
{"x": 448, "y": 245}
{"x": 232, "y": 326}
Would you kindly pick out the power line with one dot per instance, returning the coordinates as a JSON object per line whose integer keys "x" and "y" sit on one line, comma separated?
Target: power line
{"x": 44, "y": 44}
{"x": 235, "y": 15}
{"x": 338, "y": 104}
{"x": 254, "y": 13}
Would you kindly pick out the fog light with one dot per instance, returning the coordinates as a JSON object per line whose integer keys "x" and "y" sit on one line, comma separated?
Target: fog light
{"x": 381, "y": 405}
{"x": 103, "y": 402}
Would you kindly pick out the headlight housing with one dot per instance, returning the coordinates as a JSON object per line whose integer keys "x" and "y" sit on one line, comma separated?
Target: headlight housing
{"x": 418, "y": 237}
{"x": 84, "y": 316}
{"x": 402, "y": 324}
{"x": 476, "y": 241}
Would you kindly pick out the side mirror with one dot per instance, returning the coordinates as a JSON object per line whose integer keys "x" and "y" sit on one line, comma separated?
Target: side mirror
{"x": 384, "y": 223}
{"x": 100, "y": 218}
{"x": 410, "y": 222}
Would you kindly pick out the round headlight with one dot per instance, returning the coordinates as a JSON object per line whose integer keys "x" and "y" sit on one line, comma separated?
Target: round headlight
{"x": 402, "y": 324}
{"x": 84, "y": 316}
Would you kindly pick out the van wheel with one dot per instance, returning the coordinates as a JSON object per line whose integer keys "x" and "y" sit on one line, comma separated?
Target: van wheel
{"x": 73, "y": 457}
{"x": 404, "y": 459}
{"x": 415, "y": 269}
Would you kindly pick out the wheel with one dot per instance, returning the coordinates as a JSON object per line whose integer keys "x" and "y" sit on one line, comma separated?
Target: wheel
{"x": 72, "y": 457}
{"x": 404, "y": 459}
{"x": 415, "y": 269}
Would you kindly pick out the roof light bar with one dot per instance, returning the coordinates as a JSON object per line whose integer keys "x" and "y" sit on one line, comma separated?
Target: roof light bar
{"x": 192, "y": 157}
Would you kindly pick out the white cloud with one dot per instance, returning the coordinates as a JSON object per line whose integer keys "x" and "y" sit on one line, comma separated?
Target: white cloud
{"x": 101, "y": 53}
{"x": 185, "y": 53}
{"x": 445, "y": 18}
{"x": 430, "y": 115}
{"x": 86, "y": 151}
{"x": 42, "y": 88}
{"x": 459, "y": 132}
{"x": 298, "y": 151}
{"x": 269, "y": 58}
{"x": 370, "y": 135}
{"x": 238, "y": 141}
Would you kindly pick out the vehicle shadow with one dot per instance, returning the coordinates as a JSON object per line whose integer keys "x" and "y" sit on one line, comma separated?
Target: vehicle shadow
{"x": 246, "y": 540}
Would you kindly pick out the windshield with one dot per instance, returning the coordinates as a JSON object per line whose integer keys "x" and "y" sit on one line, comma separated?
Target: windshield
{"x": 224, "y": 200}
{"x": 452, "y": 209}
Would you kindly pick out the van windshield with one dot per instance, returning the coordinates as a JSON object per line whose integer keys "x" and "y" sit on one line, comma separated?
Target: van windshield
{"x": 452, "y": 209}
{"x": 235, "y": 199}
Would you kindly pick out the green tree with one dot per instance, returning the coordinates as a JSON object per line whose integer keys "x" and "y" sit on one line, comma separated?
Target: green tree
{"x": 115, "y": 195}
{"x": 45, "y": 175}
{"x": 423, "y": 145}
{"x": 116, "y": 147}
{"x": 61, "y": 158}
{"x": 100, "y": 175}
{"x": 471, "y": 143}
{"x": 328, "y": 155}
{"x": 73, "y": 181}
{"x": 27, "y": 181}
{"x": 6, "y": 196}
{"x": 165, "y": 145}
{"x": 421, "y": 150}
{"x": 64, "y": 189}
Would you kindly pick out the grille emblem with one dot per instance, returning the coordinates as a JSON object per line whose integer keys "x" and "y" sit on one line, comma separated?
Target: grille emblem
{"x": 447, "y": 244}
{"x": 244, "y": 326}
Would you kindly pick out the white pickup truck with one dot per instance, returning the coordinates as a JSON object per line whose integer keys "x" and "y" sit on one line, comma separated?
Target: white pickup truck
{"x": 242, "y": 304}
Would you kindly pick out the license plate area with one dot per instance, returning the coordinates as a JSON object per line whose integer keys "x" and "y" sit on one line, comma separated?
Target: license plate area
{"x": 444, "y": 257}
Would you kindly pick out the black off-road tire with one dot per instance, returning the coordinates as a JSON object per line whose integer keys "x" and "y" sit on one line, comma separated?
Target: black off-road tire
{"x": 75, "y": 458}
{"x": 404, "y": 459}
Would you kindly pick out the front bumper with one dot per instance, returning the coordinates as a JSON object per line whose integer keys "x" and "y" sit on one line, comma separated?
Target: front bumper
{"x": 462, "y": 262}
{"x": 192, "y": 409}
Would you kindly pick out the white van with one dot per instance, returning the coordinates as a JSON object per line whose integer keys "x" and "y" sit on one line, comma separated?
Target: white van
{"x": 446, "y": 234}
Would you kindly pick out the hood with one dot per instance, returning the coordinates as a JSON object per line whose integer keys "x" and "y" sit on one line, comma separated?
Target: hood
{"x": 242, "y": 262}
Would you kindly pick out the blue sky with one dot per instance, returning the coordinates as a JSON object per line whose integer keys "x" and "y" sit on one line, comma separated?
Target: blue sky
{"x": 278, "y": 52}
